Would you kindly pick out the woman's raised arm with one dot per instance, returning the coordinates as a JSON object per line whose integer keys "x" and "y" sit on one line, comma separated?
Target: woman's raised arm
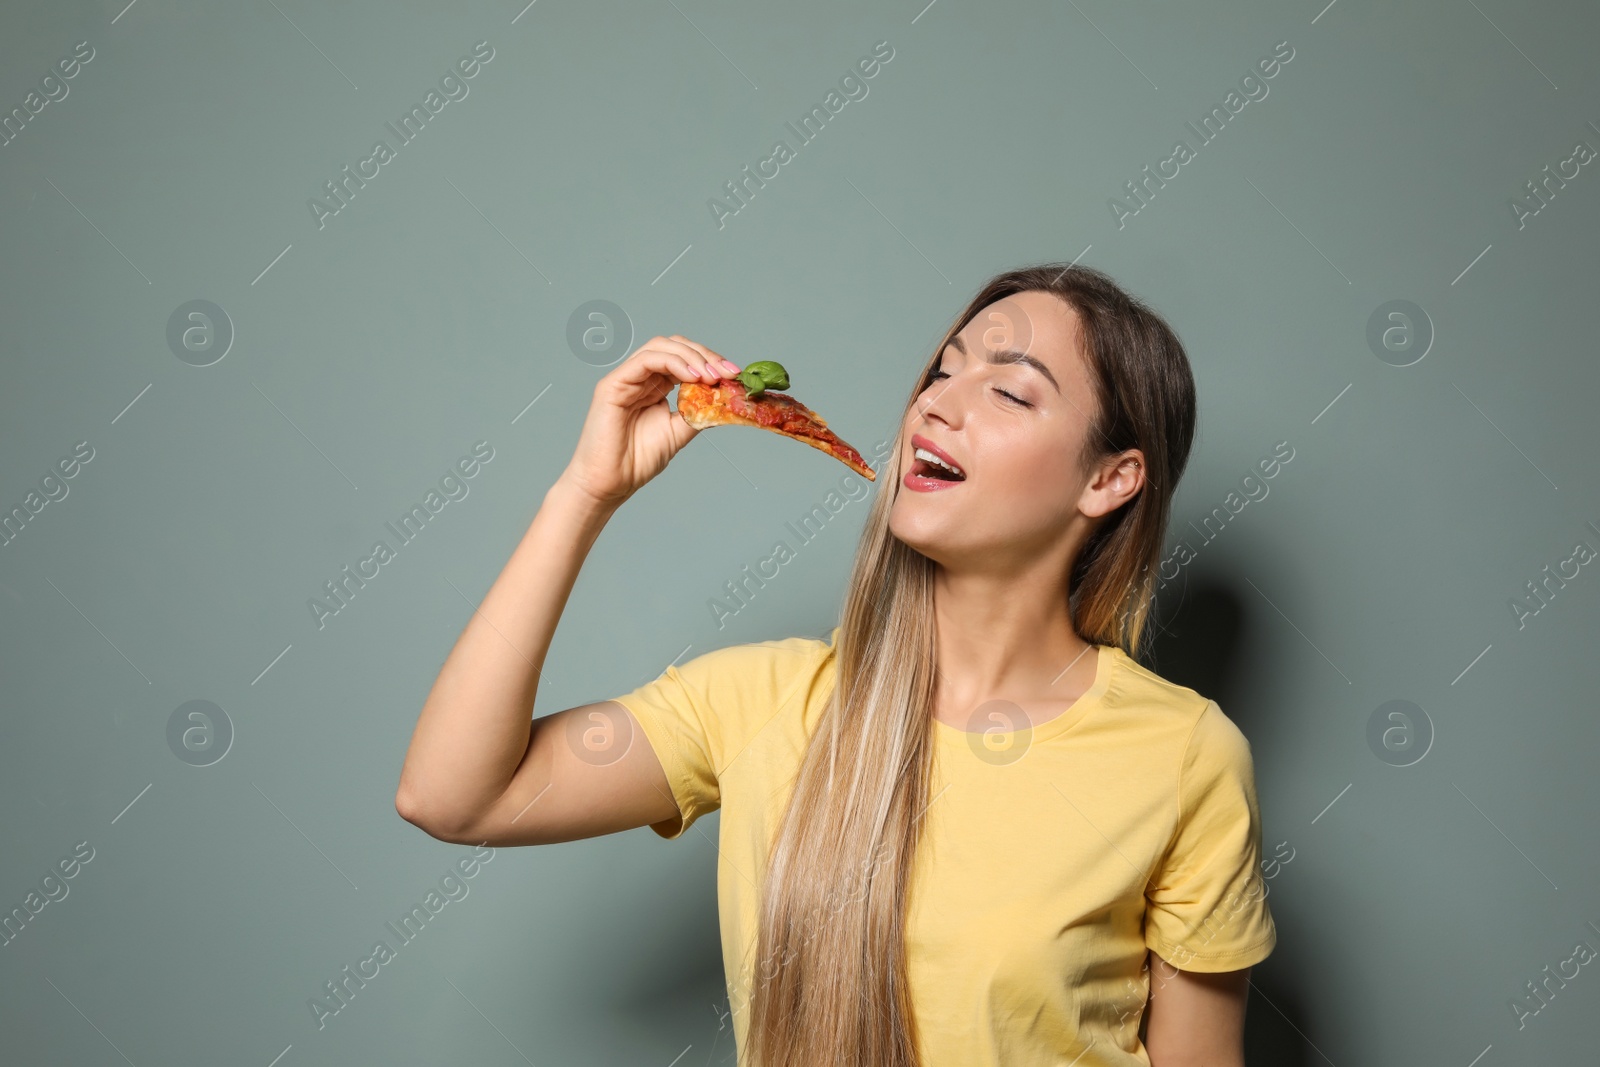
{"x": 479, "y": 768}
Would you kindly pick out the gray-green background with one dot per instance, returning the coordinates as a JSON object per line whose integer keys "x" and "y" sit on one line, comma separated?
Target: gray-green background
{"x": 368, "y": 355}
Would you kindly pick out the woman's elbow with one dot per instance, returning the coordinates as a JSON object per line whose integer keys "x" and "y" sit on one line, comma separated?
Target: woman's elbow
{"x": 413, "y": 811}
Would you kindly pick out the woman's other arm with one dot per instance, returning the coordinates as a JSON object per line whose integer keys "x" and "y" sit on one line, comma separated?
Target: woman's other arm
{"x": 479, "y": 768}
{"x": 1195, "y": 1018}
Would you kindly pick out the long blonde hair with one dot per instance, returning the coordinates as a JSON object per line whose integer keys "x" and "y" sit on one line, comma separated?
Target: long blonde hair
{"x": 829, "y": 982}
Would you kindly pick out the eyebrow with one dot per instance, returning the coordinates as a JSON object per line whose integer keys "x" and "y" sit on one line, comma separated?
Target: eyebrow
{"x": 1009, "y": 355}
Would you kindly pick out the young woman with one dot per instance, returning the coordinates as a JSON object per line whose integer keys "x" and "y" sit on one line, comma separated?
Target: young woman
{"x": 969, "y": 828}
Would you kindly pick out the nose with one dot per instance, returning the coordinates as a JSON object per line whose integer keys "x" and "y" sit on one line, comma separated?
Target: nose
{"x": 945, "y": 401}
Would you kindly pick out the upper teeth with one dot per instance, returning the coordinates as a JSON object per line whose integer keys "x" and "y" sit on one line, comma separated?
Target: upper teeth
{"x": 924, "y": 454}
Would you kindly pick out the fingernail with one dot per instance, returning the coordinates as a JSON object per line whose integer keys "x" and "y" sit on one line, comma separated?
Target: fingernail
{"x": 733, "y": 368}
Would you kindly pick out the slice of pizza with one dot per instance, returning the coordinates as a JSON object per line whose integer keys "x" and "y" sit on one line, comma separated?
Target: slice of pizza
{"x": 731, "y": 403}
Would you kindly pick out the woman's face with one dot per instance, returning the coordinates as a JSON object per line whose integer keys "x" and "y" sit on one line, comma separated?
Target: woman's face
{"x": 1010, "y": 403}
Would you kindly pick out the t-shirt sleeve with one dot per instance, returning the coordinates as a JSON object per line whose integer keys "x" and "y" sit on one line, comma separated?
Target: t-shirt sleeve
{"x": 1206, "y": 904}
{"x": 698, "y": 717}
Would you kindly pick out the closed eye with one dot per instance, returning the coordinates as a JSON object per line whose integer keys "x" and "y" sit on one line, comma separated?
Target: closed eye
{"x": 936, "y": 375}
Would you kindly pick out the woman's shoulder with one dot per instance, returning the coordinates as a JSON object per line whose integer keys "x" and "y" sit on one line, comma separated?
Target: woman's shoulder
{"x": 794, "y": 652}
{"x": 717, "y": 701}
{"x": 759, "y": 674}
{"x": 1136, "y": 686}
{"x": 1196, "y": 723}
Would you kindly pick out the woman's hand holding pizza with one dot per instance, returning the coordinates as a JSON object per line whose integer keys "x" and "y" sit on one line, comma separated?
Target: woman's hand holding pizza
{"x": 631, "y": 433}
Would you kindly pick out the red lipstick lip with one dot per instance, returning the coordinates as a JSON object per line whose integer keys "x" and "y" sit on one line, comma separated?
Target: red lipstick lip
{"x": 919, "y": 441}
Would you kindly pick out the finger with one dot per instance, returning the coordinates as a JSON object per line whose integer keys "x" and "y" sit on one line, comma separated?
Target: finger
{"x": 659, "y": 356}
{"x": 724, "y": 367}
{"x": 703, "y": 369}
{"x": 654, "y": 391}
{"x": 682, "y": 432}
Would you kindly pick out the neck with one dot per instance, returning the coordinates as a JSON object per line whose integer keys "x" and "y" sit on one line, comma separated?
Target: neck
{"x": 1007, "y": 637}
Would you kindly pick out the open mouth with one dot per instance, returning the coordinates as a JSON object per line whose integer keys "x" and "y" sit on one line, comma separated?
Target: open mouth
{"x": 926, "y": 465}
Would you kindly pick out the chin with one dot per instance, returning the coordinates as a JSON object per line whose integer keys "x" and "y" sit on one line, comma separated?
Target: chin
{"x": 923, "y": 537}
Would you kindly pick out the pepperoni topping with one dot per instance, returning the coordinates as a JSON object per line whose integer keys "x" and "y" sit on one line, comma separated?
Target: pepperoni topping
{"x": 781, "y": 412}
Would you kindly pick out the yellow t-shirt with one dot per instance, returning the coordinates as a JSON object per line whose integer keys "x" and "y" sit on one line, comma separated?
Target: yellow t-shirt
{"x": 1128, "y": 822}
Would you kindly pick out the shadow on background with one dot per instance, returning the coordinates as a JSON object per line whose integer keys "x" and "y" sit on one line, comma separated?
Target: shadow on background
{"x": 1197, "y": 646}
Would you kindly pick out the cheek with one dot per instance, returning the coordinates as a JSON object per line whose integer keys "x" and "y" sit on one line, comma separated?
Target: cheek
{"x": 1033, "y": 475}
{"x": 1040, "y": 448}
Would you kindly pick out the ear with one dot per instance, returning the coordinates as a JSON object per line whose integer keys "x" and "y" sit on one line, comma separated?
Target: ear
{"x": 1117, "y": 480}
